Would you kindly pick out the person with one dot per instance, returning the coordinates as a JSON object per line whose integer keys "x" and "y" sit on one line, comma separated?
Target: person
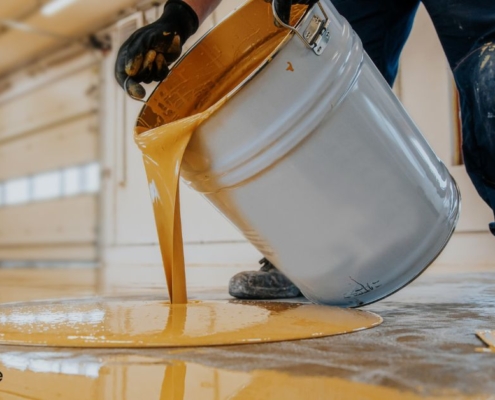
{"x": 466, "y": 29}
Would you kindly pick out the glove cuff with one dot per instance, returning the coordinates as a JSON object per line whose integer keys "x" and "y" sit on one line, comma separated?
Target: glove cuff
{"x": 185, "y": 18}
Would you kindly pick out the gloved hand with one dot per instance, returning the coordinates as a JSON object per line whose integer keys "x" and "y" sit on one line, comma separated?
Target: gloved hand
{"x": 145, "y": 56}
{"x": 283, "y": 7}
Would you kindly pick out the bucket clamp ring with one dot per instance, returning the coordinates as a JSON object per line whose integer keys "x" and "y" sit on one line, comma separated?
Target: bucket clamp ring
{"x": 316, "y": 35}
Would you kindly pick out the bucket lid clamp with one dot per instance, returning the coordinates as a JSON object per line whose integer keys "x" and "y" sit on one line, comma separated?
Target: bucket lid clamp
{"x": 316, "y": 35}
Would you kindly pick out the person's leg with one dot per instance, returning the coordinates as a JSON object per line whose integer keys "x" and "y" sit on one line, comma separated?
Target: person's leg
{"x": 466, "y": 29}
{"x": 383, "y": 26}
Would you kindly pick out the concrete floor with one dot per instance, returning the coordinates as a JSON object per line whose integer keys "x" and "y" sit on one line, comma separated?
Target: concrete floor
{"x": 426, "y": 348}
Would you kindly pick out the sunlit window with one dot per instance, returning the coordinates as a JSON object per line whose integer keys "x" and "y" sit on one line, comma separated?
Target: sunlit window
{"x": 91, "y": 180}
{"x": 47, "y": 186}
{"x": 17, "y": 191}
{"x": 71, "y": 181}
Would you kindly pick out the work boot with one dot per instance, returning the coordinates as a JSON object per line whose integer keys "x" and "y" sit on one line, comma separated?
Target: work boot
{"x": 267, "y": 283}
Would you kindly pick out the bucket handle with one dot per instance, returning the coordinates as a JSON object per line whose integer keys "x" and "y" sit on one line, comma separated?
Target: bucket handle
{"x": 316, "y": 36}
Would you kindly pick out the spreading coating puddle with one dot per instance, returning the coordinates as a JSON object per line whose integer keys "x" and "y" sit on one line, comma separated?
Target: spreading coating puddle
{"x": 148, "y": 322}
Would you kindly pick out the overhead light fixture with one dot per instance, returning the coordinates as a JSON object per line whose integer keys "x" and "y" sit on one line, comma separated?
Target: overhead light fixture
{"x": 54, "y": 6}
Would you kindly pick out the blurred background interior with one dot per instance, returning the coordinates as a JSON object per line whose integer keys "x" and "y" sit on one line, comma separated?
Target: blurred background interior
{"x": 73, "y": 192}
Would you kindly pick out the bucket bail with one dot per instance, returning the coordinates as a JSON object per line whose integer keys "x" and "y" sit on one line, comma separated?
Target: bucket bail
{"x": 316, "y": 35}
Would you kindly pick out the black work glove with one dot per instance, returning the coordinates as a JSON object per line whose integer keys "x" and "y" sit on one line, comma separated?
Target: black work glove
{"x": 145, "y": 56}
{"x": 283, "y": 7}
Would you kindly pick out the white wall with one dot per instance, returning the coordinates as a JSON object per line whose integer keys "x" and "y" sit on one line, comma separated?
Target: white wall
{"x": 49, "y": 145}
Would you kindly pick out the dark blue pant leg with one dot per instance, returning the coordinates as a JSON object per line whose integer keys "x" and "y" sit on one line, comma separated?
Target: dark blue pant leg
{"x": 383, "y": 26}
{"x": 466, "y": 29}
{"x": 475, "y": 78}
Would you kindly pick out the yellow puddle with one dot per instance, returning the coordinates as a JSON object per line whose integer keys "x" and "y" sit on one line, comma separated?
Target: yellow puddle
{"x": 148, "y": 322}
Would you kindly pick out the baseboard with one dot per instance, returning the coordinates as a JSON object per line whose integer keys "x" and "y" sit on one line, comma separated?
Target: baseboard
{"x": 137, "y": 278}
{"x": 469, "y": 248}
{"x": 228, "y": 253}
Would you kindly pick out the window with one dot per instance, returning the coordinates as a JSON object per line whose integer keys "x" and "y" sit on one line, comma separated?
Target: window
{"x": 17, "y": 191}
{"x": 91, "y": 178}
{"x": 71, "y": 181}
{"x": 47, "y": 186}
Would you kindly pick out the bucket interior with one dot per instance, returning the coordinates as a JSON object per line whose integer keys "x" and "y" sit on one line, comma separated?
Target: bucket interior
{"x": 219, "y": 65}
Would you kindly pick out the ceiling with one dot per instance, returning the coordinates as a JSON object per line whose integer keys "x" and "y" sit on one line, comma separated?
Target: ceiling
{"x": 81, "y": 17}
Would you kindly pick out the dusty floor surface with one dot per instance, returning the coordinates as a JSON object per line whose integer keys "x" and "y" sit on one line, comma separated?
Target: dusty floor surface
{"x": 426, "y": 348}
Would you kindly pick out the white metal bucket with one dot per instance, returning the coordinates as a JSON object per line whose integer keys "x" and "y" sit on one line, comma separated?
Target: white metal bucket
{"x": 320, "y": 167}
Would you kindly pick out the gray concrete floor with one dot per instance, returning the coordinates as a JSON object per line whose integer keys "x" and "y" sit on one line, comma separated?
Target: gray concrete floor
{"x": 426, "y": 345}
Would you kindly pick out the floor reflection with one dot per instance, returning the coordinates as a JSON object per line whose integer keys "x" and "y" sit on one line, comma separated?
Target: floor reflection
{"x": 47, "y": 375}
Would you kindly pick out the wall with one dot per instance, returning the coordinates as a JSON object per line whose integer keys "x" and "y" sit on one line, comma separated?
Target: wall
{"x": 49, "y": 150}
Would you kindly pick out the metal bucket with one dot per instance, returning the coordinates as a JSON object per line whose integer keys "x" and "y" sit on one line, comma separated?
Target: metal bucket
{"x": 313, "y": 158}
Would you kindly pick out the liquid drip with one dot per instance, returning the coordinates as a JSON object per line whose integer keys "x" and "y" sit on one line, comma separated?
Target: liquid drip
{"x": 148, "y": 322}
